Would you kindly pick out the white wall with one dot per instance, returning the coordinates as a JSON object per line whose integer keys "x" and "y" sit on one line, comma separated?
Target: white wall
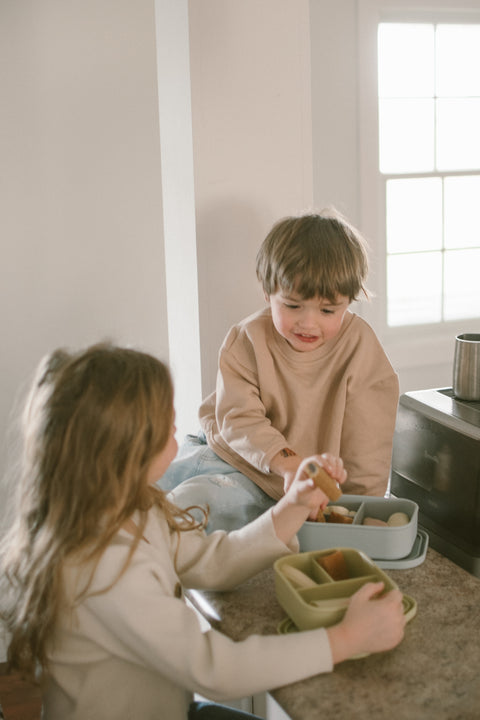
{"x": 81, "y": 200}
{"x": 250, "y": 69}
{"x": 333, "y": 27}
{"x": 82, "y": 231}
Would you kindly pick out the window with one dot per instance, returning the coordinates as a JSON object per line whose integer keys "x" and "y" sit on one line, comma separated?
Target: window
{"x": 429, "y": 164}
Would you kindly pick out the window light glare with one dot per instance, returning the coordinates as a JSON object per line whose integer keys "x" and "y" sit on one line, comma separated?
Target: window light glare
{"x": 405, "y": 67}
{"x": 429, "y": 149}
{"x": 414, "y": 215}
{"x": 415, "y": 288}
{"x": 458, "y": 60}
{"x": 406, "y": 142}
{"x": 462, "y": 289}
{"x": 462, "y": 212}
{"x": 458, "y": 134}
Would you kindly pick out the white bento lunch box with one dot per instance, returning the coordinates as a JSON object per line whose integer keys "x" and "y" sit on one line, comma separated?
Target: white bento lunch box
{"x": 378, "y": 542}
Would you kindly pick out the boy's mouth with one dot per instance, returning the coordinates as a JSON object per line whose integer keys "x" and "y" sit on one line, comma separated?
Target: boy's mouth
{"x": 306, "y": 338}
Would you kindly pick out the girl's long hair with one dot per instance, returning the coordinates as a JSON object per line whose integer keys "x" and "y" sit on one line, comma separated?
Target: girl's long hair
{"x": 92, "y": 424}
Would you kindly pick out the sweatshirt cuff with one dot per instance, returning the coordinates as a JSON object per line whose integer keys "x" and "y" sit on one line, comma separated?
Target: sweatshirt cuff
{"x": 293, "y": 545}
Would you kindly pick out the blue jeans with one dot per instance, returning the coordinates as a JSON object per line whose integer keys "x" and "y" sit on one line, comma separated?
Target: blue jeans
{"x": 199, "y": 477}
{"x": 212, "y": 711}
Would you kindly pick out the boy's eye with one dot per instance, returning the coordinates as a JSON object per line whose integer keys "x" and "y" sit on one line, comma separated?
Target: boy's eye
{"x": 290, "y": 306}
{"x": 326, "y": 311}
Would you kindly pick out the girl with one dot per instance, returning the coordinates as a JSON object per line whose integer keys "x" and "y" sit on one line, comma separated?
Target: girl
{"x": 97, "y": 558}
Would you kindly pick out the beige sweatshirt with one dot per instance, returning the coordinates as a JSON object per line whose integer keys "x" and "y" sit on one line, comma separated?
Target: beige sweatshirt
{"x": 138, "y": 652}
{"x": 340, "y": 398}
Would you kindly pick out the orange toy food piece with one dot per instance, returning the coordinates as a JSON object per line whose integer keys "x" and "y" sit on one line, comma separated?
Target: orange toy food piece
{"x": 334, "y": 564}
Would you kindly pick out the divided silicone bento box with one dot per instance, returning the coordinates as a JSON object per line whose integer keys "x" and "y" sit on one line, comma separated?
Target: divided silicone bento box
{"x": 386, "y": 543}
{"x": 325, "y": 603}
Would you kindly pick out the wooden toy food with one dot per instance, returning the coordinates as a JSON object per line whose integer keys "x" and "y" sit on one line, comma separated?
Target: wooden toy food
{"x": 397, "y": 519}
{"x": 323, "y": 480}
{"x": 334, "y": 563}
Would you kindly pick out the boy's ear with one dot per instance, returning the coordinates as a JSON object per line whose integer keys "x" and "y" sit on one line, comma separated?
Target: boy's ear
{"x": 266, "y": 296}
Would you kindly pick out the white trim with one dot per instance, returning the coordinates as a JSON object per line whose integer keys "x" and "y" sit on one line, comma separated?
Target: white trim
{"x": 176, "y": 146}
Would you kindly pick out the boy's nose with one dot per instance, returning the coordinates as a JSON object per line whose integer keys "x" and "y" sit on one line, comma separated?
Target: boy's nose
{"x": 309, "y": 319}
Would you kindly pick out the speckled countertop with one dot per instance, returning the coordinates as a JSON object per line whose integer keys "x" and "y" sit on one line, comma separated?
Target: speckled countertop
{"x": 433, "y": 674}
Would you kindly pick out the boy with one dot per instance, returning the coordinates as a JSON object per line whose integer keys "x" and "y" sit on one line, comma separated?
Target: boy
{"x": 303, "y": 376}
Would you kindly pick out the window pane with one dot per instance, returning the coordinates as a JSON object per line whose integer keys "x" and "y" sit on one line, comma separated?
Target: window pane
{"x": 458, "y": 134}
{"x": 458, "y": 60}
{"x": 406, "y": 135}
{"x": 401, "y": 73}
{"x": 414, "y": 284}
{"x": 462, "y": 212}
{"x": 414, "y": 215}
{"x": 462, "y": 287}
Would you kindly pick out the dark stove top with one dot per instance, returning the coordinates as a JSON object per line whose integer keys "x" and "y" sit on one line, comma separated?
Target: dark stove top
{"x": 441, "y": 402}
{"x": 467, "y": 410}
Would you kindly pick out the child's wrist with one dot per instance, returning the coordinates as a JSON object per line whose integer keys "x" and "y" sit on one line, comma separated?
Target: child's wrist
{"x": 287, "y": 452}
{"x": 288, "y": 517}
{"x": 285, "y": 461}
{"x": 339, "y": 644}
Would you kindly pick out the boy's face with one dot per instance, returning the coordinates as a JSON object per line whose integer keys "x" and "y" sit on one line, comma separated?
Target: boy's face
{"x": 307, "y": 324}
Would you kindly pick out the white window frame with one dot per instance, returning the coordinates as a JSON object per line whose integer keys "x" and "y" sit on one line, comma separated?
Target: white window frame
{"x": 411, "y": 345}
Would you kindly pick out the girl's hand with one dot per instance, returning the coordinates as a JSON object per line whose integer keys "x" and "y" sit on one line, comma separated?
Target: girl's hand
{"x": 371, "y": 623}
{"x": 303, "y": 498}
{"x": 334, "y": 467}
{"x": 303, "y": 485}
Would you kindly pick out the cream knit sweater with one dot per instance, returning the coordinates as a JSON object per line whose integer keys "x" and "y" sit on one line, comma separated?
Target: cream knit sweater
{"x": 341, "y": 398}
{"x": 138, "y": 652}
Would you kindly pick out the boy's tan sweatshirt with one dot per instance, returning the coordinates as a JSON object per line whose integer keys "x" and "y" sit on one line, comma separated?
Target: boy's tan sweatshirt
{"x": 340, "y": 398}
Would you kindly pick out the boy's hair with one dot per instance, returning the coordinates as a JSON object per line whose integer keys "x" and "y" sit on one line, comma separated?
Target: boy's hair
{"x": 314, "y": 255}
{"x": 92, "y": 424}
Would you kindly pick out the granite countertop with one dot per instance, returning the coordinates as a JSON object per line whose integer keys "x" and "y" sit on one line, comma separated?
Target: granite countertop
{"x": 433, "y": 674}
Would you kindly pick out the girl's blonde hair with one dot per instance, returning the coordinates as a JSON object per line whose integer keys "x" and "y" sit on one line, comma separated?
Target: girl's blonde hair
{"x": 314, "y": 255}
{"x": 92, "y": 424}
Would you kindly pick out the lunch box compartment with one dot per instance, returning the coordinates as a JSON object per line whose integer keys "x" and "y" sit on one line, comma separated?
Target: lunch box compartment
{"x": 333, "y": 590}
{"x": 322, "y": 606}
{"x": 378, "y": 542}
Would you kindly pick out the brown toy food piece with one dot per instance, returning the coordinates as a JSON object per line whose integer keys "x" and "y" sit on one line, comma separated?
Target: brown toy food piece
{"x": 321, "y": 516}
{"x": 323, "y": 480}
{"x": 334, "y": 517}
{"x": 334, "y": 564}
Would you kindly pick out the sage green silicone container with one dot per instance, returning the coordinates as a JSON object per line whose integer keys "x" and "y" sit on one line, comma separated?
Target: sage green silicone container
{"x": 383, "y": 543}
{"x": 324, "y": 604}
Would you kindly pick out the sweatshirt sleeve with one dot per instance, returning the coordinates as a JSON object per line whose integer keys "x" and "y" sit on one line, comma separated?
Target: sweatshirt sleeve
{"x": 222, "y": 560}
{"x": 139, "y": 622}
{"x": 239, "y": 418}
{"x": 368, "y": 427}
